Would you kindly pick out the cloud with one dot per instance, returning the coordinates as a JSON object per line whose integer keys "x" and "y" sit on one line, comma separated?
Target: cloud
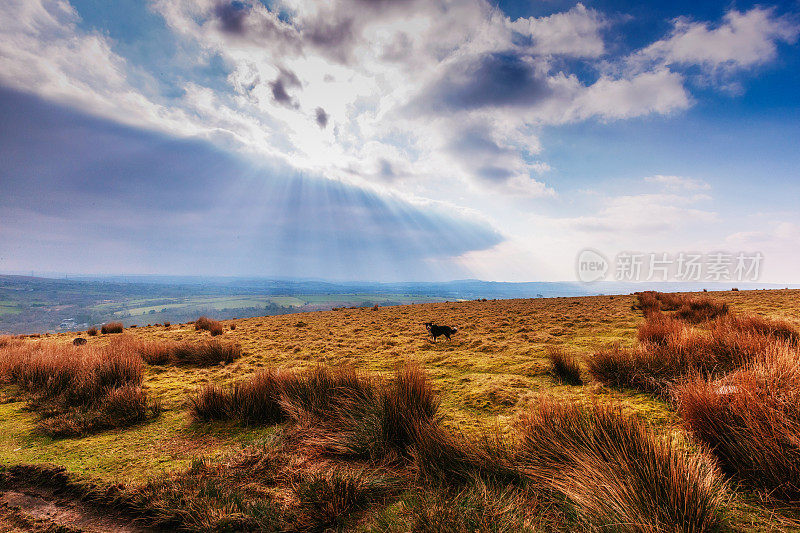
{"x": 154, "y": 203}
{"x": 678, "y": 182}
{"x": 321, "y": 117}
{"x": 575, "y": 33}
{"x": 232, "y": 16}
{"x": 742, "y": 40}
{"x": 491, "y": 80}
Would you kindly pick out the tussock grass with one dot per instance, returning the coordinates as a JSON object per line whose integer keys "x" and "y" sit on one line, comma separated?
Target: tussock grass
{"x": 671, "y": 350}
{"x": 111, "y": 327}
{"x": 690, "y": 308}
{"x": 214, "y": 327}
{"x": 751, "y": 420}
{"x": 79, "y": 390}
{"x": 617, "y": 473}
{"x": 199, "y": 354}
{"x": 565, "y": 367}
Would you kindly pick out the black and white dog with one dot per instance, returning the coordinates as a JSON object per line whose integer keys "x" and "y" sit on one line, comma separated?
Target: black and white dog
{"x": 435, "y": 330}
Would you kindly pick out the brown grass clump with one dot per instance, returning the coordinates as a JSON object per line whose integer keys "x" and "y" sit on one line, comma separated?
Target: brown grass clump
{"x": 751, "y": 420}
{"x": 782, "y": 330}
{"x": 111, "y": 327}
{"x": 670, "y": 350}
{"x": 214, "y": 327}
{"x": 211, "y": 402}
{"x": 692, "y": 309}
{"x": 616, "y": 472}
{"x": 92, "y": 332}
{"x": 203, "y": 354}
{"x": 334, "y": 410}
{"x": 79, "y": 390}
{"x": 658, "y": 328}
{"x": 565, "y": 368}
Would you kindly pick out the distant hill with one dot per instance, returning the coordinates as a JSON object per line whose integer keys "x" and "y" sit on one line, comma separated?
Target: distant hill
{"x": 36, "y": 304}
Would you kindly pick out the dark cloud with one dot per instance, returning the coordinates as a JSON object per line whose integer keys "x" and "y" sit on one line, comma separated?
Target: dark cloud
{"x": 232, "y": 16}
{"x": 80, "y": 194}
{"x": 322, "y": 117}
{"x": 386, "y": 170}
{"x": 494, "y": 173}
{"x": 335, "y": 39}
{"x": 491, "y": 80}
{"x": 280, "y": 93}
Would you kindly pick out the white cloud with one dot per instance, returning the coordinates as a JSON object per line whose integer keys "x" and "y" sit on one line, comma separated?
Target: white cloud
{"x": 575, "y": 33}
{"x": 678, "y": 182}
{"x": 742, "y": 40}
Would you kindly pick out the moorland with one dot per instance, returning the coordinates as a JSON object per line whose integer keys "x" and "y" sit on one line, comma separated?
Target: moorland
{"x": 641, "y": 412}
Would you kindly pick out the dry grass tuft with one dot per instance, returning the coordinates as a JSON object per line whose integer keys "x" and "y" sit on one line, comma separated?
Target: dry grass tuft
{"x": 111, "y": 327}
{"x": 751, "y": 420}
{"x": 565, "y": 367}
{"x": 79, "y": 390}
{"x": 617, "y": 473}
{"x": 214, "y": 327}
{"x": 202, "y": 354}
{"x": 92, "y": 332}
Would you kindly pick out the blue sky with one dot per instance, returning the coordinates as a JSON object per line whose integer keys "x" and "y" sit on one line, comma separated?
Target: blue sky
{"x": 405, "y": 140}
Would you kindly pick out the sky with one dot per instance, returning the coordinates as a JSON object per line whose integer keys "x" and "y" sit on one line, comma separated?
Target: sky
{"x": 392, "y": 140}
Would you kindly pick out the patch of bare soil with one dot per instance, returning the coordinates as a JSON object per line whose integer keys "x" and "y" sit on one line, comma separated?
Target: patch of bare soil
{"x": 29, "y": 508}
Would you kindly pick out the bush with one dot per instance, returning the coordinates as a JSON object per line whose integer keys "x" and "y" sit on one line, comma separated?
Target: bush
{"x": 92, "y": 332}
{"x": 111, "y": 327}
{"x": 565, "y": 368}
{"x": 616, "y": 472}
{"x": 751, "y": 420}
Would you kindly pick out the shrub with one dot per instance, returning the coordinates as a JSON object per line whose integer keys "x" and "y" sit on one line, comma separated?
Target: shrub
{"x": 565, "y": 368}
{"x": 233, "y": 327}
{"x": 92, "y": 332}
{"x": 616, "y": 472}
{"x": 167, "y": 324}
{"x": 111, "y": 327}
{"x": 751, "y": 420}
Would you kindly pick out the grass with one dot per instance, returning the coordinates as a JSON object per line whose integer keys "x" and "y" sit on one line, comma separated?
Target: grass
{"x": 214, "y": 327}
{"x": 482, "y": 381}
{"x": 616, "y": 472}
{"x": 751, "y": 420}
{"x": 199, "y": 354}
{"x": 566, "y": 368}
{"x": 111, "y": 327}
{"x": 79, "y": 390}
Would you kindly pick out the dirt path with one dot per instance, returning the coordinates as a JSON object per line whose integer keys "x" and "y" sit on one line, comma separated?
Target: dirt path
{"x": 37, "y": 509}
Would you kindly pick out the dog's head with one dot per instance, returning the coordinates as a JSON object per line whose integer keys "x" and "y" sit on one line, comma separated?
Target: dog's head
{"x": 428, "y": 325}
